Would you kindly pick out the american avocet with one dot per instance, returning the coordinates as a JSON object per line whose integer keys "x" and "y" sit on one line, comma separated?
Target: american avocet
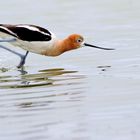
{"x": 39, "y": 40}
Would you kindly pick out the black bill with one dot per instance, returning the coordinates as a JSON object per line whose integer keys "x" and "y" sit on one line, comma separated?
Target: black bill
{"x": 98, "y": 47}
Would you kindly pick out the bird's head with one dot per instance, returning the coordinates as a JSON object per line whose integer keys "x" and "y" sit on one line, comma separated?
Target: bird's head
{"x": 76, "y": 41}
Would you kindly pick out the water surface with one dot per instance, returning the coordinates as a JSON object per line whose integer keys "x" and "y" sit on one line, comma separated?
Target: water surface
{"x": 85, "y": 94}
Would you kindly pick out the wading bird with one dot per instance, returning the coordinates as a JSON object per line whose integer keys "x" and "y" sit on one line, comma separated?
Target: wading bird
{"x": 39, "y": 40}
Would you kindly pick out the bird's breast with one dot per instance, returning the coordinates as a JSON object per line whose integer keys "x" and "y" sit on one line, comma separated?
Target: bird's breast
{"x": 40, "y": 47}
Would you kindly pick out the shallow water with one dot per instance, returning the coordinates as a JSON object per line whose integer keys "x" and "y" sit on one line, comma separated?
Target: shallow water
{"x": 86, "y": 94}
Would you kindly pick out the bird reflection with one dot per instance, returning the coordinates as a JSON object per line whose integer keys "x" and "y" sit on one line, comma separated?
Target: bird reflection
{"x": 25, "y": 80}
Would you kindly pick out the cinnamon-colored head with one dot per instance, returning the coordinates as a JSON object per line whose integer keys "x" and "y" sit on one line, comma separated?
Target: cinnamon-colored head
{"x": 75, "y": 41}
{"x": 72, "y": 42}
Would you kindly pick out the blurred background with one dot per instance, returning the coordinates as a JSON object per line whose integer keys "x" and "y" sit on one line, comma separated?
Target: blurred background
{"x": 85, "y": 94}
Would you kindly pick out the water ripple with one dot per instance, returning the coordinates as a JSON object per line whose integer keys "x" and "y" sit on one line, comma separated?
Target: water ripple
{"x": 33, "y": 102}
{"x": 42, "y": 78}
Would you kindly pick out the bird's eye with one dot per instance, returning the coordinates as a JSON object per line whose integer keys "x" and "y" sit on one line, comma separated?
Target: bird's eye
{"x": 79, "y": 40}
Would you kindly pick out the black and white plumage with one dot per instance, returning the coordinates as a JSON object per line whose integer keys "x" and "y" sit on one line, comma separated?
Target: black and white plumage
{"x": 26, "y": 32}
{"x": 31, "y": 38}
{"x": 28, "y": 37}
{"x": 39, "y": 40}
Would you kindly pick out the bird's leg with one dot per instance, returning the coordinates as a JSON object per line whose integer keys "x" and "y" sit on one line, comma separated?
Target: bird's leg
{"x": 22, "y": 61}
{"x": 23, "y": 57}
{"x": 8, "y": 40}
{"x": 12, "y": 51}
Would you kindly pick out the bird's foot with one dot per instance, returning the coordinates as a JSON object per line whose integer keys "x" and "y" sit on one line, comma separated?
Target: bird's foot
{"x": 22, "y": 61}
{"x": 21, "y": 64}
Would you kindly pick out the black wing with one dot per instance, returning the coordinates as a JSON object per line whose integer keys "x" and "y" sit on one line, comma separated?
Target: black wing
{"x": 26, "y": 32}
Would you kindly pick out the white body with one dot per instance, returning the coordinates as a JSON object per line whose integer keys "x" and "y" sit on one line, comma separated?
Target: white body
{"x": 36, "y": 46}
